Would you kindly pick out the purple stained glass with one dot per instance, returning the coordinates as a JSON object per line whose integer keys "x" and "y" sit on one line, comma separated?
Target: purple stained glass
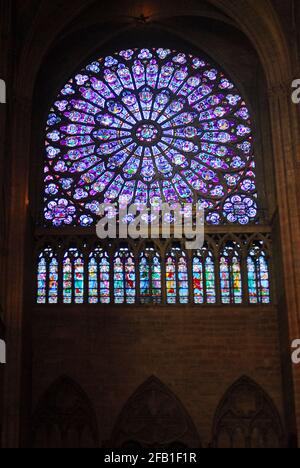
{"x": 146, "y": 127}
{"x": 73, "y": 277}
{"x": 99, "y": 277}
{"x": 258, "y": 275}
{"x": 47, "y": 291}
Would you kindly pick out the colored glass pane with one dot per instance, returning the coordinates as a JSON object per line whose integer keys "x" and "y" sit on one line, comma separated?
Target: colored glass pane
{"x": 147, "y": 127}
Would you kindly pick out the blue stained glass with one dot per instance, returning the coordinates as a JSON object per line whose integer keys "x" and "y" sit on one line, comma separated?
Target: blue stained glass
{"x": 165, "y": 75}
{"x": 155, "y": 117}
{"x": 42, "y": 281}
{"x": 183, "y": 281}
{"x": 210, "y": 279}
{"x": 198, "y": 281}
{"x": 231, "y": 276}
{"x": 177, "y": 277}
{"x": 99, "y": 277}
{"x": 204, "y": 277}
{"x": 144, "y": 278}
{"x": 124, "y": 277}
{"x": 258, "y": 275}
{"x": 152, "y": 73}
{"x": 73, "y": 277}
{"x": 53, "y": 281}
{"x": 150, "y": 277}
{"x": 119, "y": 279}
{"x": 171, "y": 280}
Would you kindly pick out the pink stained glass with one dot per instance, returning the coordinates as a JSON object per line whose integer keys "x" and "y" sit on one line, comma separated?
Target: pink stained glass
{"x": 169, "y": 120}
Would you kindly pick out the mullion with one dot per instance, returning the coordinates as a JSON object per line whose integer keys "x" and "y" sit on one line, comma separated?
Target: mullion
{"x": 205, "y": 298}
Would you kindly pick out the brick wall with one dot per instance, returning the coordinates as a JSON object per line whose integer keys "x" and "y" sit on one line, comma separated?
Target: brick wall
{"x": 197, "y": 352}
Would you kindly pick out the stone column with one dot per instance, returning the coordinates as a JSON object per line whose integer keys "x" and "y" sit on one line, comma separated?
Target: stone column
{"x": 5, "y": 74}
{"x": 15, "y": 293}
{"x": 286, "y": 149}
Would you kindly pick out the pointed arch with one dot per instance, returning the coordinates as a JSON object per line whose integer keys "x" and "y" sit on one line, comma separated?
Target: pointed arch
{"x": 47, "y": 276}
{"x": 73, "y": 276}
{"x": 231, "y": 274}
{"x": 154, "y": 418}
{"x": 204, "y": 276}
{"x": 65, "y": 418}
{"x": 247, "y": 418}
{"x": 258, "y": 267}
{"x": 177, "y": 281}
{"x": 99, "y": 276}
{"x": 150, "y": 276}
{"x": 124, "y": 276}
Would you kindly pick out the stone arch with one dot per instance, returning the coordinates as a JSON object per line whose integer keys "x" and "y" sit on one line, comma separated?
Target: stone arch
{"x": 247, "y": 418}
{"x": 64, "y": 418}
{"x": 276, "y": 61}
{"x": 125, "y": 23}
{"x": 259, "y": 22}
{"x": 154, "y": 418}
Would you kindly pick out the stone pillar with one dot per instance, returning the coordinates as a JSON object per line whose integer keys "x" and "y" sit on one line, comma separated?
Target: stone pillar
{"x": 14, "y": 172}
{"x": 286, "y": 149}
{"x": 16, "y": 297}
{"x": 5, "y": 74}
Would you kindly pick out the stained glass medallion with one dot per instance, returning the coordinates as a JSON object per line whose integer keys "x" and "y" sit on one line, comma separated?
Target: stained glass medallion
{"x": 147, "y": 127}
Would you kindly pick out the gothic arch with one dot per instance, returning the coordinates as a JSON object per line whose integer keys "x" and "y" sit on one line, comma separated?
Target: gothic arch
{"x": 247, "y": 418}
{"x": 258, "y": 21}
{"x": 262, "y": 26}
{"x": 64, "y": 418}
{"x": 154, "y": 418}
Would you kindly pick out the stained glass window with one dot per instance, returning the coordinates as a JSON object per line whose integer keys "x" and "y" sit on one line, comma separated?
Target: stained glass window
{"x": 231, "y": 276}
{"x": 73, "y": 277}
{"x": 171, "y": 279}
{"x": 258, "y": 275}
{"x": 124, "y": 277}
{"x": 204, "y": 277}
{"x": 121, "y": 276}
{"x": 99, "y": 277}
{"x": 147, "y": 127}
{"x": 47, "y": 291}
{"x": 150, "y": 277}
{"x": 198, "y": 282}
{"x": 177, "y": 277}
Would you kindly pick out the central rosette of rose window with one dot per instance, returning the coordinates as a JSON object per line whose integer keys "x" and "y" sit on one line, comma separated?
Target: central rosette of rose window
{"x": 147, "y": 133}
